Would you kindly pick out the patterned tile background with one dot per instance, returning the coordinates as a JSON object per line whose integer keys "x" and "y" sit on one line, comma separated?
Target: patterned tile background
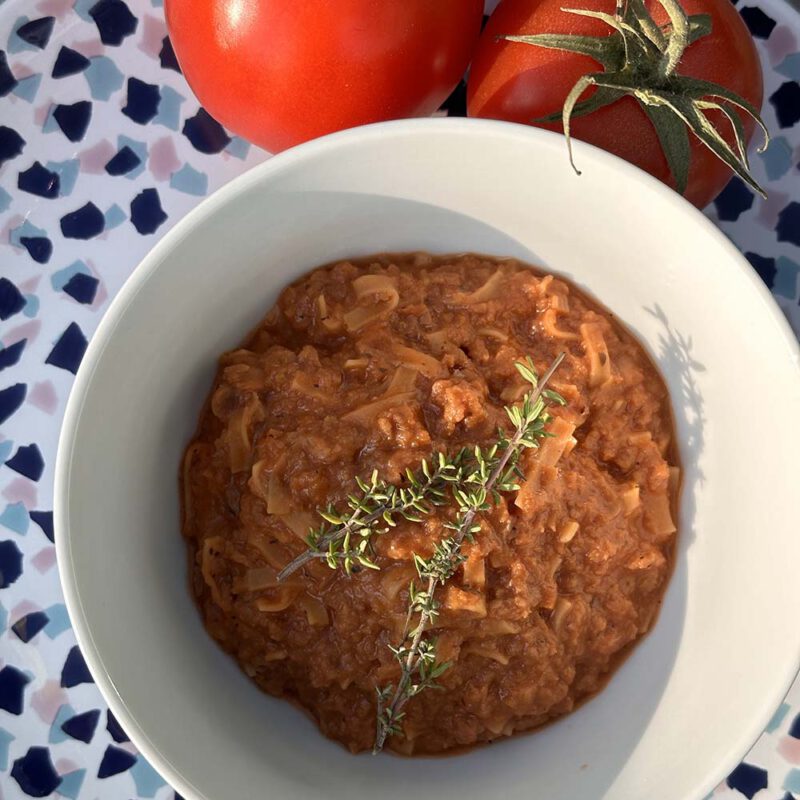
{"x": 102, "y": 148}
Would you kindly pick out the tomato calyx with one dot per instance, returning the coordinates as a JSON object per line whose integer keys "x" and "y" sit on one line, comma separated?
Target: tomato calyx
{"x": 640, "y": 59}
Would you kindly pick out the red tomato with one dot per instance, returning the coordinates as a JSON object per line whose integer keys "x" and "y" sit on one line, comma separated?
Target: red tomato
{"x": 522, "y": 82}
{"x": 279, "y": 72}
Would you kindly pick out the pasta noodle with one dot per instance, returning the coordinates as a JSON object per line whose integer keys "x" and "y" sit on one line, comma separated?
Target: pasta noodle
{"x": 566, "y": 533}
{"x": 186, "y": 484}
{"x": 658, "y": 516}
{"x": 370, "y": 410}
{"x": 474, "y": 569}
{"x": 298, "y": 522}
{"x": 560, "y": 443}
{"x": 463, "y": 602}
{"x": 489, "y": 290}
{"x": 421, "y": 362}
{"x": 630, "y": 499}
{"x": 239, "y": 435}
{"x": 597, "y": 350}
{"x": 371, "y": 285}
{"x": 550, "y": 327}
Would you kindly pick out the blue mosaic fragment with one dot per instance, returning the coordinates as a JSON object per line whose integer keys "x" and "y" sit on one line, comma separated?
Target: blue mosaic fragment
{"x": 35, "y": 773}
{"x": 27, "y": 461}
{"x": 147, "y": 780}
{"x": 31, "y": 306}
{"x": 44, "y": 519}
{"x": 114, "y": 216}
{"x": 16, "y": 44}
{"x": 5, "y": 740}
{"x": 169, "y": 109}
{"x": 114, "y": 21}
{"x": 86, "y": 222}
{"x": 11, "y": 399}
{"x": 147, "y": 215}
{"x": 60, "y": 278}
{"x": 733, "y": 200}
{"x": 10, "y": 569}
{"x": 790, "y": 66}
{"x": 143, "y": 100}
{"x": 115, "y": 760}
{"x": 82, "y": 726}
{"x": 25, "y": 229}
{"x": 115, "y": 729}
{"x": 7, "y": 79}
{"x": 794, "y": 728}
{"x": 71, "y": 784}
{"x": 205, "y": 133}
{"x": 786, "y": 101}
{"x": 81, "y": 8}
{"x": 12, "y": 689}
{"x": 189, "y": 180}
{"x": 167, "y": 56}
{"x": 37, "y": 32}
{"x": 75, "y": 670}
{"x": 788, "y": 227}
{"x": 69, "y": 349}
{"x": 65, "y": 711}
{"x": 139, "y": 148}
{"x": 59, "y": 620}
{"x": 15, "y": 517}
{"x": 777, "y": 718}
{"x": 238, "y": 147}
{"x": 67, "y": 172}
{"x": 27, "y": 87}
{"x": 124, "y": 160}
{"x": 103, "y": 77}
{"x": 748, "y": 779}
{"x": 11, "y": 144}
{"x": 82, "y": 288}
{"x": 11, "y": 299}
{"x": 39, "y": 248}
{"x": 28, "y": 626}
{"x": 10, "y": 355}
{"x": 777, "y": 158}
{"x": 40, "y": 181}
{"x": 764, "y": 266}
{"x": 69, "y": 62}
{"x": 73, "y": 119}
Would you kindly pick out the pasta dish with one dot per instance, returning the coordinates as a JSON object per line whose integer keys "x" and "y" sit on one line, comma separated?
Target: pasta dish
{"x": 368, "y": 367}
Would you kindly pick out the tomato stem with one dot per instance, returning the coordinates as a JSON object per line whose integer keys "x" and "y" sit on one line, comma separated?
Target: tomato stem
{"x": 640, "y": 59}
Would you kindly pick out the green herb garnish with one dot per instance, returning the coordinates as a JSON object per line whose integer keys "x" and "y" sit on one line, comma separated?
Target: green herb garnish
{"x": 476, "y": 478}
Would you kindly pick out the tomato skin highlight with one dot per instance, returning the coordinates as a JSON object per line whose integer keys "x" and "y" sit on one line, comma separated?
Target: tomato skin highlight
{"x": 521, "y": 82}
{"x": 280, "y": 72}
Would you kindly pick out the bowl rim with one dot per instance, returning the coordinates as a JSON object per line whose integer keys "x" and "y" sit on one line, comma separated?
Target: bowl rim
{"x": 210, "y": 205}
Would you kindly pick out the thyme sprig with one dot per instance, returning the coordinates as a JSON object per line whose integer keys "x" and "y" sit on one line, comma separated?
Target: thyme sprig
{"x": 494, "y": 471}
{"x": 346, "y": 538}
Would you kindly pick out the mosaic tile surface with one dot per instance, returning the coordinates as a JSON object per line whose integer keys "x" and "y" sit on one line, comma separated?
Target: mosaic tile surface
{"x": 102, "y": 148}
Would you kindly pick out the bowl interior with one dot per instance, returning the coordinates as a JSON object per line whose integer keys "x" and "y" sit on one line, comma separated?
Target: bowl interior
{"x": 697, "y": 691}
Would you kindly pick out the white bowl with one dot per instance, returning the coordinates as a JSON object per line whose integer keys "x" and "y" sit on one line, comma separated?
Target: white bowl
{"x": 696, "y": 693}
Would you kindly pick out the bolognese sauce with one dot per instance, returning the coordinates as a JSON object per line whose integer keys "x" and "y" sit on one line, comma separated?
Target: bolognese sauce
{"x": 376, "y": 364}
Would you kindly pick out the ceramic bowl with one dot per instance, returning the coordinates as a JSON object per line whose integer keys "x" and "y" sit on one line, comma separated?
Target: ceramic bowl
{"x": 700, "y": 688}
